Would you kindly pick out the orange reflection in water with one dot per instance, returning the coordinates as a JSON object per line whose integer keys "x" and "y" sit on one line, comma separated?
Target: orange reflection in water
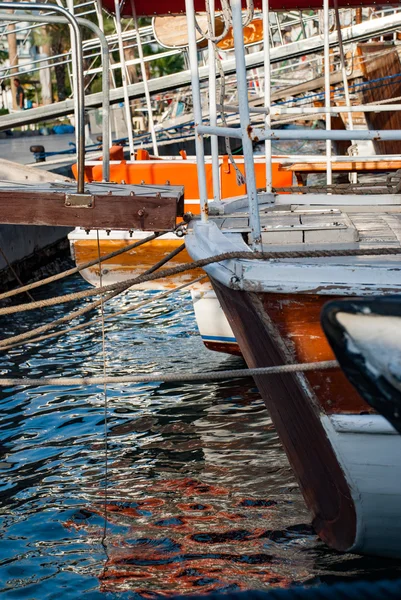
{"x": 188, "y": 536}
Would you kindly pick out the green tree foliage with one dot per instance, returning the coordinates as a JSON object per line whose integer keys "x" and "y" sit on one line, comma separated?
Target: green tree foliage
{"x": 3, "y": 54}
{"x": 56, "y": 38}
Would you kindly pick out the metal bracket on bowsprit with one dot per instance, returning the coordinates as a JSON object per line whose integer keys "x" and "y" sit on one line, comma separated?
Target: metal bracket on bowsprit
{"x": 79, "y": 200}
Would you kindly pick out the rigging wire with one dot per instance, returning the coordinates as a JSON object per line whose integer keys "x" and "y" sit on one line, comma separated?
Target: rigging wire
{"x": 364, "y": 84}
{"x": 105, "y": 414}
{"x": 227, "y": 19}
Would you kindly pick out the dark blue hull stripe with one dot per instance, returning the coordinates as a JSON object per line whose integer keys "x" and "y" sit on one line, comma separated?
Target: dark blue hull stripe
{"x": 217, "y": 338}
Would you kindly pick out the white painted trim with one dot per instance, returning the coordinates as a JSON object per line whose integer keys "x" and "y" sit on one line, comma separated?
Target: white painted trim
{"x": 364, "y": 424}
{"x": 361, "y": 275}
{"x": 338, "y": 199}
{"x": 371, "y": 461}
{"x": 210, "y": 318}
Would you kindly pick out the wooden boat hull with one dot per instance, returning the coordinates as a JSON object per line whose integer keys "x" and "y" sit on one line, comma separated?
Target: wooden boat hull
{"x": 27, "y": 249}
{"x": 345, "y": 458}
{"x": 132, "y": 263}
{"x": 212, "y": 323}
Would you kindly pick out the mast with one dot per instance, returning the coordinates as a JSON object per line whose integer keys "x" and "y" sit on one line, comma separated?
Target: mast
{"x": 151, "y": 124}
{"x": 267, "y": 92}
{"x": 13, "y": 58}
{"x": 246, "y": 127}
{"x": 200, "y": 151}
{"x": 127, "y": 108}
{"x": 214, "y": 142}
{"x": 326, "y": 33}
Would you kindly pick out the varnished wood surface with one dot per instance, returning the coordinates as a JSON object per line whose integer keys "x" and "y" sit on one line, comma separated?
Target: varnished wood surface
{"x": 381, "y": 60}
{"x": 354, "y": 165}
{"x": 25, "y": 206}
{"x": 172, "y": 32}
{"x": 297, "y": 318}
{"x": 224, "y": 347}
{"x": 296, "y": 416}
{"x": 135, "y": 262}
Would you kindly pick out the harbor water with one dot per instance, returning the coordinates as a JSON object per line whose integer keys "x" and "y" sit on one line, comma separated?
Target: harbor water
{"x": 18, "y": 148}
{"x": 198, "y": 494}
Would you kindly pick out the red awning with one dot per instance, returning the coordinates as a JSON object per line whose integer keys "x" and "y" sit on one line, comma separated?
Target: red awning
{"x": 173, "y": 7}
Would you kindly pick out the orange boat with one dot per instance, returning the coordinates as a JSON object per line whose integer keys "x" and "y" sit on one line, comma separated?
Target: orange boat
{"x": 148, "y": 170}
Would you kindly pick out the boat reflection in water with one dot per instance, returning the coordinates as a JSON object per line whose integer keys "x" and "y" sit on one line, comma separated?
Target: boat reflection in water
{"x": 209, "y": 514}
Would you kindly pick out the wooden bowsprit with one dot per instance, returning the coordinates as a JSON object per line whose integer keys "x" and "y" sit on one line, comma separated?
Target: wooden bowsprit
{"x": 102, "y": 206}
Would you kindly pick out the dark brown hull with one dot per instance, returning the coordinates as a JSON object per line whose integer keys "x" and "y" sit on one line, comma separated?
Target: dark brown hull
{"x": 265, "y": 336}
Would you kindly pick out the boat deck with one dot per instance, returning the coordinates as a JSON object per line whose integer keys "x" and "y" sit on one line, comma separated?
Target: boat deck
{"x": 319, "y": 228}
{"x": 302, "y": 170}
{"x": 341, "y": 233}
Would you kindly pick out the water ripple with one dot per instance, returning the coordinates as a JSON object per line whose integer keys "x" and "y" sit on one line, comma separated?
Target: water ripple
{"x": 200, "y": 496}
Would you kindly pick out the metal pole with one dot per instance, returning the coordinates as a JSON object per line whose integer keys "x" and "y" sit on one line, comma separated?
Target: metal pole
{"x": 267, "y": 91}
{"x": 106, "y": 135}
{"x": 106, "y": 132}
{"x": 124, "y": 80}
{"x": 145, "y": 81}
{"x": 353, "y": 177}
{"x": 70, "y": 7}
{"x": 99, "y": 13}
{"x": 319, "y": 110}
{"x": 105, "y": 75}
{"x": 79, "y": 108}
{"x": 301, "y": 20}
{"x": 342, "y": 62}
{"x": 13, "y": 60}
{"x": 257, "y": 134}
{"x": 326, "y": 32}
{"x": 200, "y": 151}
{"x": 246, "y": 128}
{"x": 280, "y": 33}
{"x": 214, "y": 140}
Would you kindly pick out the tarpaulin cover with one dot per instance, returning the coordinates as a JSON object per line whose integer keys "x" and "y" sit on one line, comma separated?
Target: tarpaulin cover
{"x": 173, "y": 7}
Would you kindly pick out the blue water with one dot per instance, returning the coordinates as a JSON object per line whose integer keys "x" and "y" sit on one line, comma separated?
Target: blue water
{"x": 200, "y": 495}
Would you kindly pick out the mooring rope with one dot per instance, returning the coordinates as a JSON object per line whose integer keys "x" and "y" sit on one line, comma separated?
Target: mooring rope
{"x": 175, "y": 377}
{"x": 123, "y": 287}
{"x": 203, "y": 262}
{"x": 14, "y": 272}
{"x": 90, "y": 323}
{"x": 340, "y": 188}
{"x": 17, "y": 339}
{"x": 74, "y": 270}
